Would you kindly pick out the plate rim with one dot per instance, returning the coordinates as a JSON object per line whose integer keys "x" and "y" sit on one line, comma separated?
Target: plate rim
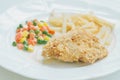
{"x": 25, "y": 75}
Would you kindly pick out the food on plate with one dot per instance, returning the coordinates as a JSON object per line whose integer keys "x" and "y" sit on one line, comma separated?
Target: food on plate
{"x": 32, "y": 33}
{"x": 74, "y": 46}
{"x": 82, "y": 38}
{"x": 101, "y": 28}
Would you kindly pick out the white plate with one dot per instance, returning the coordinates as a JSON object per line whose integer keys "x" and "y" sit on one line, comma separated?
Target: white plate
{"x": 32, "y": 65}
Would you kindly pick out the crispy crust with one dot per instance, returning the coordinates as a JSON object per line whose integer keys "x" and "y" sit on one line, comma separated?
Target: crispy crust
{"x": 74, "y": 46}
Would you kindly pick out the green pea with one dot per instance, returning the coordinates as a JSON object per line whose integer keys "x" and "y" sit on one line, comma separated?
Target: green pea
{"x": 49, "y": 35}
{"x": 20, "y": 26}
{"x": 46, "y": 33}
{"x": 14, "y": 43}
{"x": 41, "y": 41}
{"x": 36, "y": 37}
{"x": 25, "y": 47}
{"x": 25, "y": 43}
{"x": 34, "y": 23}
{"x": 37, "y": 31}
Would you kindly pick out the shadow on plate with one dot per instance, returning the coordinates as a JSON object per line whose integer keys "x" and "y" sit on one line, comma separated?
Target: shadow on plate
{"x": 59, "y": 64}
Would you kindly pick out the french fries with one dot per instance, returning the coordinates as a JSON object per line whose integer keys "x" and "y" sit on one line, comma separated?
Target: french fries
{"x": 97, "y": 26}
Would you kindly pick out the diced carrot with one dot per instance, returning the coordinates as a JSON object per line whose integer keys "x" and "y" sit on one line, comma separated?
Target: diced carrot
{"x": 29, "y": 23}
{"x": 32, "y": 35}
{"x": 20, "y": 46}
{"x": 18, "y": 30}
{"x": 32, "y": 42}
{"x": 47, "y": 28}
{"x": 18, "y": 36}
{"x": 33, "y": 28}
{"x": 43, "y": 29}
{"x": 43, "y": 35}
{"x": 29, "y": 27}
{"x": 52, "y": 32}
{"x": 24, "y": 29}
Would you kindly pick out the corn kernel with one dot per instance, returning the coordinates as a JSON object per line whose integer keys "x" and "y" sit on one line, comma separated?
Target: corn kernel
{"x": 46, "y": 38}
{"x": 22, "y": 39}
{"x": 40, "y": 25}
{"x": 45, "y": 24}
{"x": 25, "y": 33}
{"x": 30, "y": 48}
{"x": 40, "y": 38}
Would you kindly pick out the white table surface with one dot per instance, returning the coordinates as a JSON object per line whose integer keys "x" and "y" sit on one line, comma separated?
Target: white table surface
{"x": 5, "y": 4}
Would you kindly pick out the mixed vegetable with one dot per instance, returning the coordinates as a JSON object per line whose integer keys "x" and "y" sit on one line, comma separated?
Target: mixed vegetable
{"x": 32, "y": 33}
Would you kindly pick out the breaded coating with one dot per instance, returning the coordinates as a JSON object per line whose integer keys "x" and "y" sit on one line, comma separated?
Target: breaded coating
{"x": 74, "y": 46}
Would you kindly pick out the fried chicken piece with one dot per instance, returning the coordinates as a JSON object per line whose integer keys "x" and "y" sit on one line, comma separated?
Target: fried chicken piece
{"x": 74, "y": 46}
